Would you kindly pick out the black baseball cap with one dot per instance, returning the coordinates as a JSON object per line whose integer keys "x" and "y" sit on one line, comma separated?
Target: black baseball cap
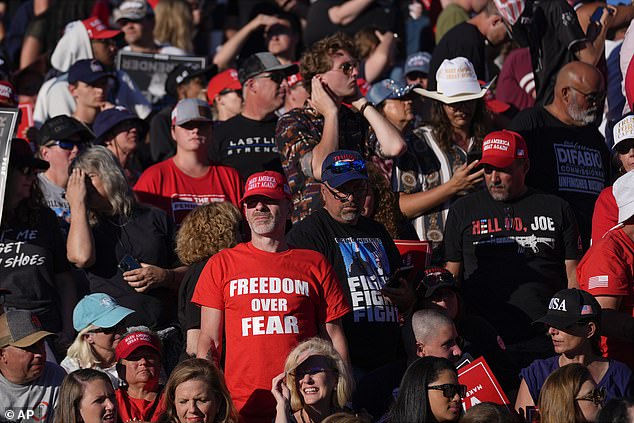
{"x": 183, "y": 73}
{"x": 263, "y": 62}
{"x": 570, "y": 306}
{"x": 61, "y": 127}
{"x": 434, "y": 278}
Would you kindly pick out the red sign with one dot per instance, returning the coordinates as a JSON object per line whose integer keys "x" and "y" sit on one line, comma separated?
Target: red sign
{"x": 414, "y": 253}
{"x": 482, "y": 386}
{"x": 26, "y": 119}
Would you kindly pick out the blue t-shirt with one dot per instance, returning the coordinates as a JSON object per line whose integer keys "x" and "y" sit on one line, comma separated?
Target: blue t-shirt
{"x": 617, "y": 380}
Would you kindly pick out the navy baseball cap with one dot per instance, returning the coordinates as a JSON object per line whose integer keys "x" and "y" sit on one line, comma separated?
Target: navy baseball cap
{"x": 387, "y": 89}
{"x": 88, "y": 71}
{"x": 342, "y": 166}
{"x": 417, "y": 62}
{"x": 110, "y": 118}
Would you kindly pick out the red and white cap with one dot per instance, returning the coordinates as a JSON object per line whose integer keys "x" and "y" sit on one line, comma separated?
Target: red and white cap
{"x": 501, "y": 148}
{"x": 135, "y": 340}
{"x": 8, "y": 96}
{"x": 268, "y": 184}
{"x": 97, "y": 30}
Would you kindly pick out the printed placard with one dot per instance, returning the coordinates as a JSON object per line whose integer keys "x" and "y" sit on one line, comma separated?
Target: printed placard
{"x": 8, "y": 121}
{"x": 149, "y": 71}
{"x": 414, "y": 253}
{"x": 482, "y": 386}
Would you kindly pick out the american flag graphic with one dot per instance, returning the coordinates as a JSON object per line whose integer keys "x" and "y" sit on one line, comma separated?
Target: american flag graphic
{"x": 600, "y": 281}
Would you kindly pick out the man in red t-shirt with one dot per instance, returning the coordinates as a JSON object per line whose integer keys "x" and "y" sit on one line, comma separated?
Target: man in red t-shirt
{"x": 607, "y": 272}
{"x": 269, "y": 296}
{"x": 187, "y": 180}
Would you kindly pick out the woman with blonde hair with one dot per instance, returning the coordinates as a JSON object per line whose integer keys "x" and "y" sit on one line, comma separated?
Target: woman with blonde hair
{"x": 315, "y": 383}
{"x": 98, "y": 319}
{"x": 570, "y": 395}
{"x": 87, "y": 396}
{"x": 205, "y": 231}
{"x": 174, "y": 24}
{"x": 196, "y": 391}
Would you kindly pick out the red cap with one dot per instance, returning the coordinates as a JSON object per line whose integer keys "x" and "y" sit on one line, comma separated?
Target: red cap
{"x": 269, "y": 184}
{"x": 496, "y": 106}
{"x": 226, "y": 80}
{"x": 8, "y": 95}
{"x": 97, "y": 30}
{"x": 294, "y": 79}
{"x": 501, "y": 148}
{"x": 135, "y": 340}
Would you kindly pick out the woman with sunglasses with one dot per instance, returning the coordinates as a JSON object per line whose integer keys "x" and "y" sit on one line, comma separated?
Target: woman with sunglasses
{"x": 33, "y": 266}
{"x": 606, "y": 212}
{"x": 98, "y": 319}
{"x": 573, "y": 320}
{"x": 438, "y": 165}
{"x": 570, "y": 395}
{"x": 315, "y": 384}
{"x": 429, "y": 392}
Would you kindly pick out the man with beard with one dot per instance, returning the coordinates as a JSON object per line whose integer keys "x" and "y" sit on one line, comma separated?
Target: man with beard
{"x": 187, "y": 179}
{"x": 514, "y": 246}
{"x": 574, "y": 162}
{"x": 269, "y": 296}
{"x": 364, "y": 257}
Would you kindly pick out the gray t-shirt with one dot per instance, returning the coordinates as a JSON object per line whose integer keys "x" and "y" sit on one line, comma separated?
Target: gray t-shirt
{"x": 54, "y": 197}
{"x": 34, "y": 402}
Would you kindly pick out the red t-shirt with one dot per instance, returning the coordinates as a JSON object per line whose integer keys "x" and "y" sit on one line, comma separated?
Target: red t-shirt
{"x": 606, "y": 214}
{"x": 167, "y": 187}
{"x": 271, "y": 302}
{"x": 608, "y": 269}
{"x": 138, "y": 409}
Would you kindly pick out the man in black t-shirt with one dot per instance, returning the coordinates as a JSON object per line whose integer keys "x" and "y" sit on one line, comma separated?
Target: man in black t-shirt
{"x": 514, "y": 246}
{"x": 246, "y": 142}
{"x": 363, "y": 255}
{"x": 468, "y": 39}
{"x": 572, "y": 160}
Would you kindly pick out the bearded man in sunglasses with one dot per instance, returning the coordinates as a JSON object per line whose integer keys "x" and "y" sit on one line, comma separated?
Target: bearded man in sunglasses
{"x": 364, "y": 257}
{"x": 335, "y": 117}
{"x": 246, "y": 141}
{"x": 60, "y": 139}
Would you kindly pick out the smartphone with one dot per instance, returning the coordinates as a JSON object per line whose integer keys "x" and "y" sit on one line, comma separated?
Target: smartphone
{"x": 595, "y": 26}
{"x": 128, "y": 263}
{"x": 473, "y": 155}
{"x": 395, "y": 278}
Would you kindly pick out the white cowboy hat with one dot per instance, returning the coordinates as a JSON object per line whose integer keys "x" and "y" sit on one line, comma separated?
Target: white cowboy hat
{"x": 456, "y": 81}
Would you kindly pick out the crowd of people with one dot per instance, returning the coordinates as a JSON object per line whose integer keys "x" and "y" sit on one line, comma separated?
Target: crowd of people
{"x": 223, "y": 245}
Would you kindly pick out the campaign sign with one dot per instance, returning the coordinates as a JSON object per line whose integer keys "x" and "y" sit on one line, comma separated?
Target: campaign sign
{"x": 149, "y": 71}
{"x": 482, "y": 386}
{"x": 26, "y": 119}
{"x": 414, "y": 253}
{"x": 8, "y": 120}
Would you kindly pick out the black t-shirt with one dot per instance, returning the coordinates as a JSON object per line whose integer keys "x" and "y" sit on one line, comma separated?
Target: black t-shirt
{"x": 162, "y": 145}
{"x": 363, "y": 256}
{"x": 463, "y": 40}
{"x": 30, "y": 257}
{"x": 247, "y": 145}
{"x": 551, "y": 30}
{"x": 571, "y": 162}
{"x": 148, "y": 236}
{"x": 188, "y": 312}
{"x": 513, "y": 255}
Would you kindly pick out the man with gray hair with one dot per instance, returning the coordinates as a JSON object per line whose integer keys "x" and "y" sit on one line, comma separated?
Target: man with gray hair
{"x": 436, "y": 335}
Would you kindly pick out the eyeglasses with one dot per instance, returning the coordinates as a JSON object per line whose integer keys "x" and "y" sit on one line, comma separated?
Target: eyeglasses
{"x": 347, "y": 68}
{"x": 299, "y": 374}
{"x": 27, "y": 170}
{"x": 449, "y": 390}
{"x": 597, "y": 396}
{"x": 276, "y": 77}
{"x": 344, "y": 195}
{"x": 343, "y": 166}
{"x": 229, "y": 91}
{"x": 66, "y": 144}
{"x": 593, "y": 98}
{"x": 624, "y": 147}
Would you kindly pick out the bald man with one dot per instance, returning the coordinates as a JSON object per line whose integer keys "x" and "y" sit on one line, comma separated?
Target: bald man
{"x": 568, "y": 153}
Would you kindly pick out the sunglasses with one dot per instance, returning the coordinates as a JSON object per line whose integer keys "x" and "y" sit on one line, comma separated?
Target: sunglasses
{"x": 449, "y": 390}
{"x": 66, "y": 144}
{"x": 344, "y": 195}
{"x": 597, "y": 396}
{"x": 343, "y": 166}
{"x": 108, "y": 331}
{"x": 433, "y": 278}
{"x": 299, "y": 374}
{"x": 229, "y": 91}
{"x": 276, "y": 77}
{"x": 592, "y": 98}
{"x": 27, "y": 170}
{"x": 624, "y": 147}
{"x": 348, "y": 67}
